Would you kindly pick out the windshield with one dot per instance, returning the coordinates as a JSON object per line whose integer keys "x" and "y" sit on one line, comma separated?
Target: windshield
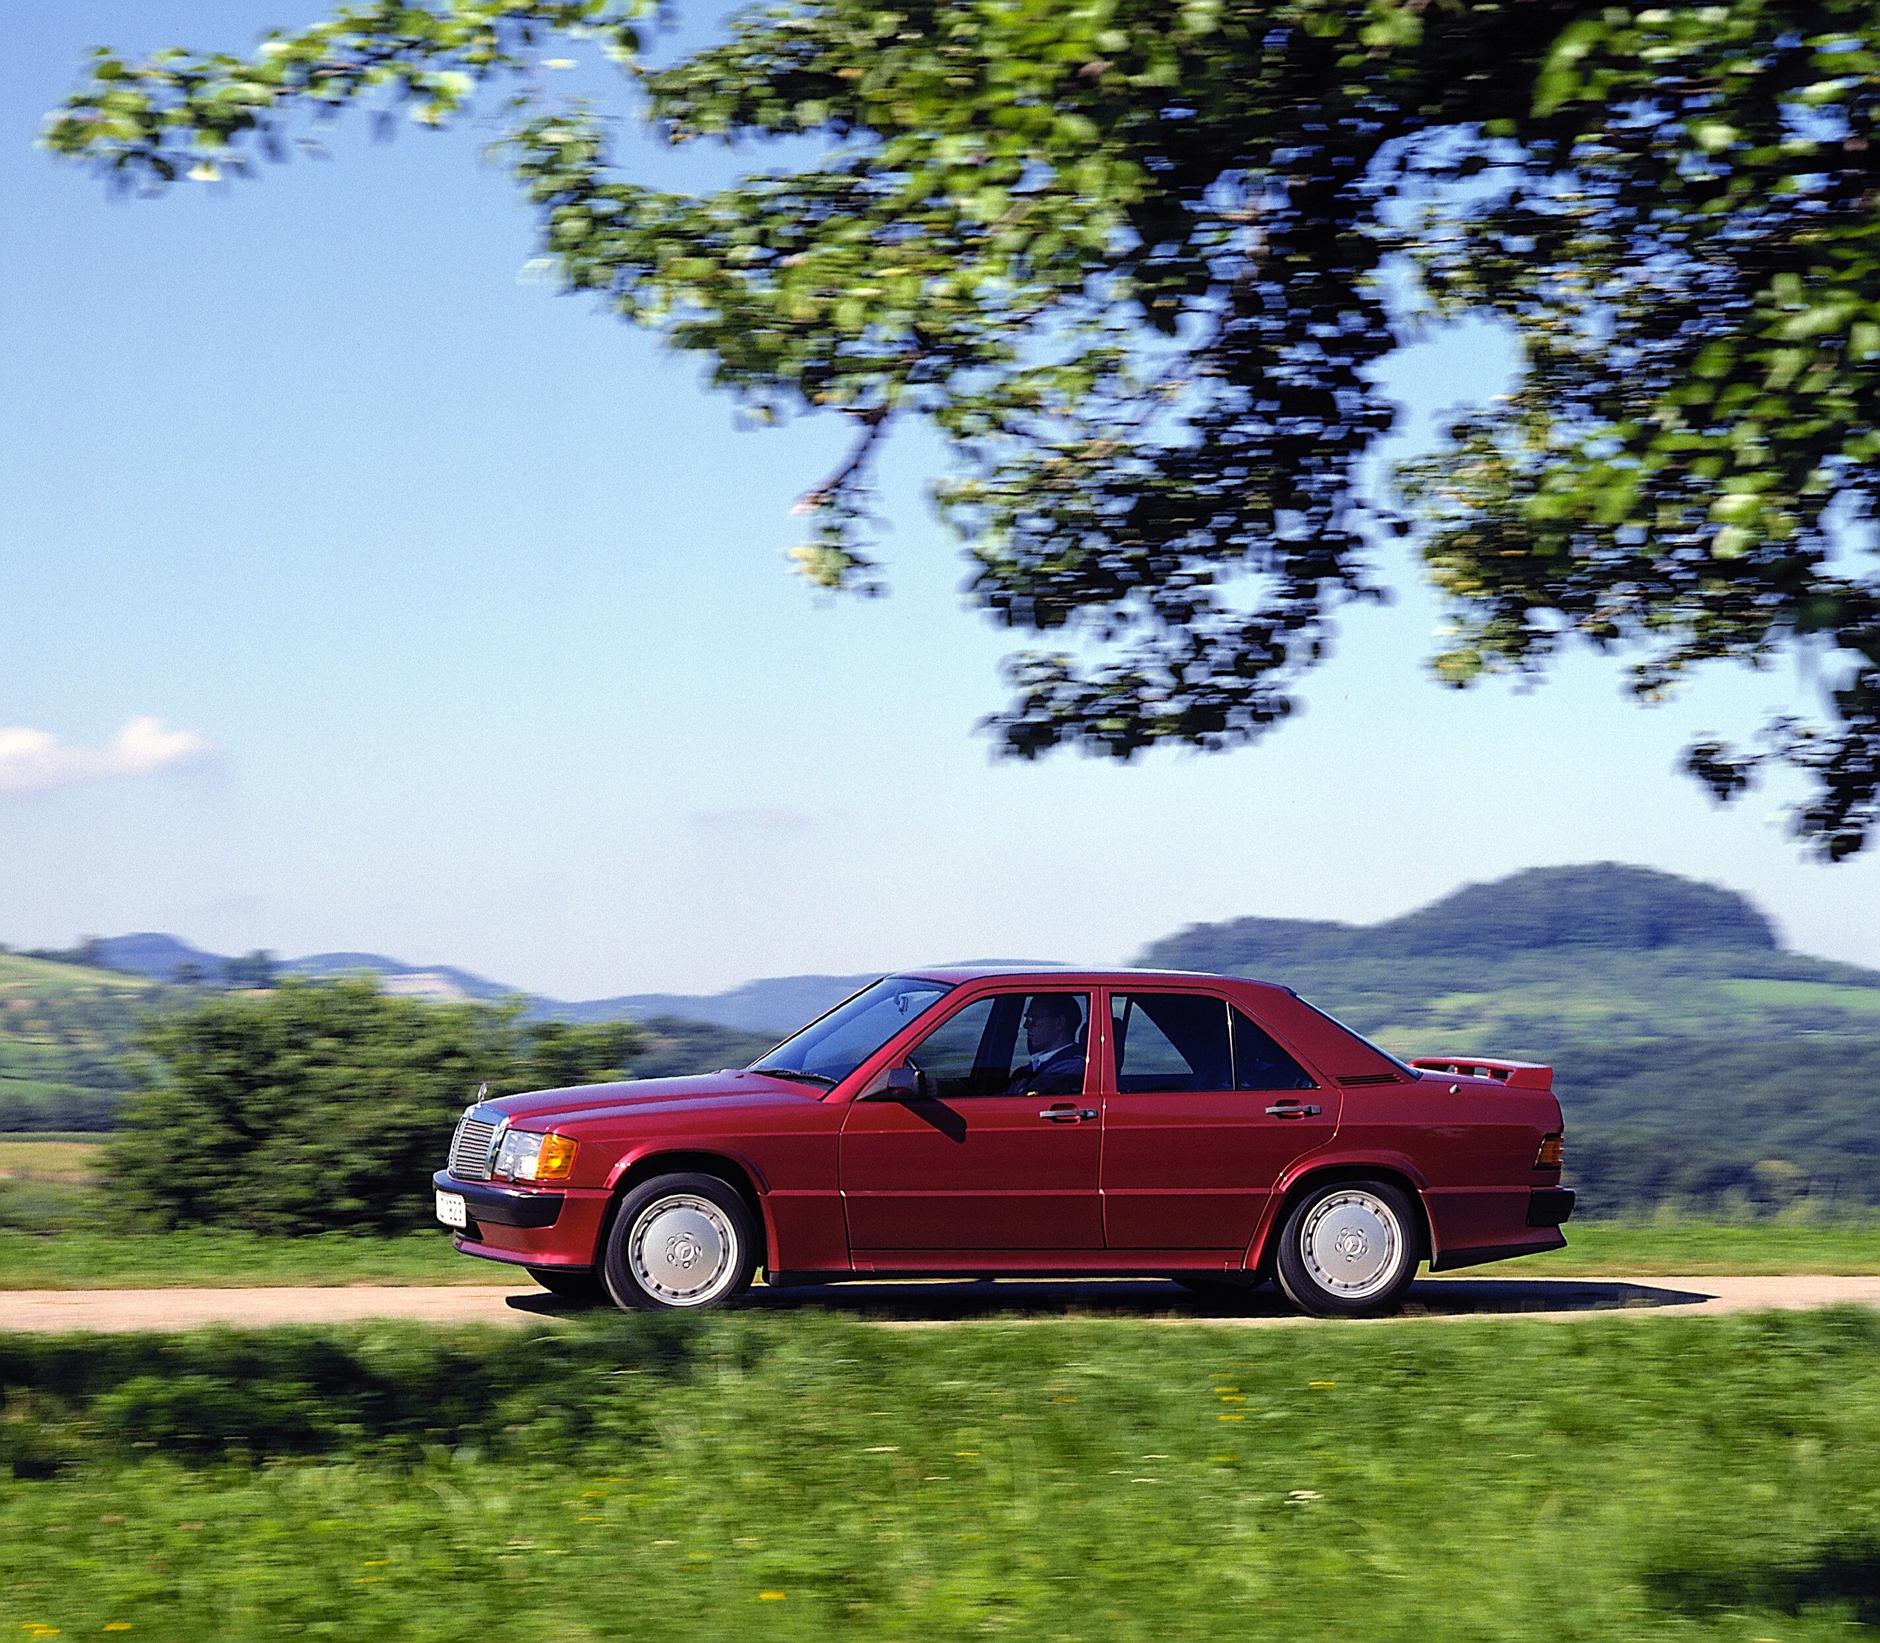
{"x": 833, "y": 1046}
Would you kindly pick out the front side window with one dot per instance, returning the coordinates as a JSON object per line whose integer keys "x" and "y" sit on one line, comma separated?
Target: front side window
{"x": 1009, "y": 1044}
{"x": 834, "y": 1045}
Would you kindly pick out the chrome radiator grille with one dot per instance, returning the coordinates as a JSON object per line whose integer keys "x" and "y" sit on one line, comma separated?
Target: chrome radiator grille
{"x": 470, "y": 1149}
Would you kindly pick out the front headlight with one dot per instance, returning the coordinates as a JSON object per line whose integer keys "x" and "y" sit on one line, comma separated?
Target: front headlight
{"x": 526, "y": 1157}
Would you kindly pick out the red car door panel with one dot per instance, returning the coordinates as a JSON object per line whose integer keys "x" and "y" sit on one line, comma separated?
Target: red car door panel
{"x": 980, "y": 1173}
{"x": 1193, "y": 1168}
{"x": 979, "y": 1162}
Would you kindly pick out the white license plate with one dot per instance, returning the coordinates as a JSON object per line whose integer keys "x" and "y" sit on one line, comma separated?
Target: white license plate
{"x": 451, "y": 1211}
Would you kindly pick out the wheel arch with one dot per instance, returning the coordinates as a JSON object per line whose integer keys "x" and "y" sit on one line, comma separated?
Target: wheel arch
{"x": 1261, "y": 1256}
{"x": 734, "y": 1172}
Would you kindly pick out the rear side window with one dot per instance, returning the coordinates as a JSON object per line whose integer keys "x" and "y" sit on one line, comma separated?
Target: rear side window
{"x": 1172, "y": 1042}
{"x": 1259, "y": 1062}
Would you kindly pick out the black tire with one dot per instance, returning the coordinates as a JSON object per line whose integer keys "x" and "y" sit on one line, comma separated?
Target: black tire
{"x": 571, "y": 1283}
{"x": 671, "y": 1230}
{"x": 1349, "y": 1249}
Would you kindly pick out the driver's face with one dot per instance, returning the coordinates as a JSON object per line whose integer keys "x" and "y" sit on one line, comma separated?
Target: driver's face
{"x": 1045, "y": 1029}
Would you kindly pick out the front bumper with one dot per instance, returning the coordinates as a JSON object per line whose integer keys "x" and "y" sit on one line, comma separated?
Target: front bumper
{"x": 529, "y": 1226}
{"x": 502, "y": 1206}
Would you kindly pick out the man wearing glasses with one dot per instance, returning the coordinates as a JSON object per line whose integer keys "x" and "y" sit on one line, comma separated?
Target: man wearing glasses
{"x": 1056, "y": 1065}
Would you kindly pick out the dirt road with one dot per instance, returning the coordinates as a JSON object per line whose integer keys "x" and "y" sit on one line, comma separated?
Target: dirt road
{"x": 1562, "y": 1299}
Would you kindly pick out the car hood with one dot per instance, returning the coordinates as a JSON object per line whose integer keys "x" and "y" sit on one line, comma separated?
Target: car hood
{"x": 653, "y": 1094}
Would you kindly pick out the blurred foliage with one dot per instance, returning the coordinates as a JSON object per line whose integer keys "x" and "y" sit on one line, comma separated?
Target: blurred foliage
{"x": 815, "y": 1477}
{"x": 325, "y": 1106}
{"x": 1129, "y": 257}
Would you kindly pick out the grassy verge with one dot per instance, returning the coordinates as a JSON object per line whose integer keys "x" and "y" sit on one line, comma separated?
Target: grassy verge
{"x": 810, "y": 1478}
{"x": 1673, "y": 1245}
{"x": 216, "y": 1259}
{"x": 57, "y": 1232}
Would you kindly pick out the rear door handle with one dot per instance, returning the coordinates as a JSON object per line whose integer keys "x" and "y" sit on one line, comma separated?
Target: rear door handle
{"x": 1068, "y": 1114}
{"x": 1292, "y": 1109}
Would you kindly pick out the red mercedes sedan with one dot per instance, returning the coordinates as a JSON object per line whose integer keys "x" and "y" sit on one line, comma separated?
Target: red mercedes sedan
{"x": 1004, "y": 1123}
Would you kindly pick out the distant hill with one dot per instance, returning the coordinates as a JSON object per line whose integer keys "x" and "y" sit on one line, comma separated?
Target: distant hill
{"x": 441, "y": 981}
{"x": 151, "y": 954}
{"x": 772, "y": 1007}
{"x": 65, "y": 1035}
{"x": 1605, "y": 906}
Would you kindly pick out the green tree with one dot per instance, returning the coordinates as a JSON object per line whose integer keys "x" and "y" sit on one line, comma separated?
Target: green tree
{"x": 1130, "y": 258}
{"x": 325, "y": 1106}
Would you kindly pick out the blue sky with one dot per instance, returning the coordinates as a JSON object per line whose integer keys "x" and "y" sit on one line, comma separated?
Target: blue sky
{"x": 477, "y": 603}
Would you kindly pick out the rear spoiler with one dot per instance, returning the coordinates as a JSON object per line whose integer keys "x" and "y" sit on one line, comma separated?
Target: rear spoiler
{"x": 1517, "y": 1075}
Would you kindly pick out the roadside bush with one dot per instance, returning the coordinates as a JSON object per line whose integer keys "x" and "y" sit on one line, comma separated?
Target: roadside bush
{"x": 325, "y": 1106}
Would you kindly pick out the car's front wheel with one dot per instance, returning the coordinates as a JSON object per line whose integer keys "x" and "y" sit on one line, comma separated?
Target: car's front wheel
{"x": 1349, "y": 1249}
{"x": 680, "y": 1243}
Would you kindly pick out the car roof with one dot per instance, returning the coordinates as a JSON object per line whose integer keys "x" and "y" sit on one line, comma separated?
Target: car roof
{"x": 1063, "y": 975}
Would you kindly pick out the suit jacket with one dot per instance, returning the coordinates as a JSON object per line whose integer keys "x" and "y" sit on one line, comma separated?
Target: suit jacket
{"x": 1061, "y": 1073}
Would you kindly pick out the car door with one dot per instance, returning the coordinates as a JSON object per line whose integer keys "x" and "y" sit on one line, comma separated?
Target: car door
{"x": 1203, "y": 1110}
{"x": 987, "y": 1157}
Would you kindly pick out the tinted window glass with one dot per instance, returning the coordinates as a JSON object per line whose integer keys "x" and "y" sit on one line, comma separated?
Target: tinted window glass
{"x": 832, "y": 1047}
{"x": 1170, "y": 1041}
{"x": 1012, "y": 1044}
{"x": 1260, "y": 1064}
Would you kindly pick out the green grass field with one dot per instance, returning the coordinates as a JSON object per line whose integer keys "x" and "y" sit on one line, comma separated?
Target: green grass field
{"x": 806, "y": 1477}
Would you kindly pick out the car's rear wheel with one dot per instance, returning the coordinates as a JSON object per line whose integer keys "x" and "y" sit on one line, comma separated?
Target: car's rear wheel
{"x": 680, "y": 1243}
{"x": 571, "y": 1283}
{"x": 1349, "y": 1249}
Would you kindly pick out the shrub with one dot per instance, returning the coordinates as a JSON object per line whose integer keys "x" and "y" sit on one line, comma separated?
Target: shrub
{"x": 325, "y": 1106}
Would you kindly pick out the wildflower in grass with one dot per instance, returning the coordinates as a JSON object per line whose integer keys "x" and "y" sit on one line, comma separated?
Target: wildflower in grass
{"x": 1230, "y": 1417}
{"x": 771, "y": 1597}
{"x": 1320, "y": 1386}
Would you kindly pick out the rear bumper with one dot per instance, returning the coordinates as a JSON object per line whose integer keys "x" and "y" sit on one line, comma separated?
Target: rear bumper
{"x": 1501, "y": 1237}
{"x": 1549, "y": 1206}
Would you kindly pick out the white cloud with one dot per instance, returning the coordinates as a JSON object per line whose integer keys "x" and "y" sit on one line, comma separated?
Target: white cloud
{"x": 33, "y": 760}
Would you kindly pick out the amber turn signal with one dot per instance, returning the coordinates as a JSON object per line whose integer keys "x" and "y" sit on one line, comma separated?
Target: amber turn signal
{"x": 555, "y": 1162}
{"x": 1553, "y": 1152}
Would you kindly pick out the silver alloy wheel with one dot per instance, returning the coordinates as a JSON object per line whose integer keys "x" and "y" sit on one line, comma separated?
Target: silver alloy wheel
{"x": 1352, "y": 1244}
{"x": 683, "y": 1250}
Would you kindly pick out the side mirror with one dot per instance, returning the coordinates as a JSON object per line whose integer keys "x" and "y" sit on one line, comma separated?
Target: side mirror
{"x": 898, "y": 1084}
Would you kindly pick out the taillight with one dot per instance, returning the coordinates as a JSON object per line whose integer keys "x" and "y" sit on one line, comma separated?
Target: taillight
{"x": 1553, "y": 1152}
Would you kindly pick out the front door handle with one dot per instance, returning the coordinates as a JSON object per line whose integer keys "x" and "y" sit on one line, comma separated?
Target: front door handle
{"x": 1067, "y": 1114}
{"x": 1291, "y": 1109}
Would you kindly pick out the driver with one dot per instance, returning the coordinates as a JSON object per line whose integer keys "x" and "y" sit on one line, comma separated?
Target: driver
{"x": 1056, "y": 1065}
